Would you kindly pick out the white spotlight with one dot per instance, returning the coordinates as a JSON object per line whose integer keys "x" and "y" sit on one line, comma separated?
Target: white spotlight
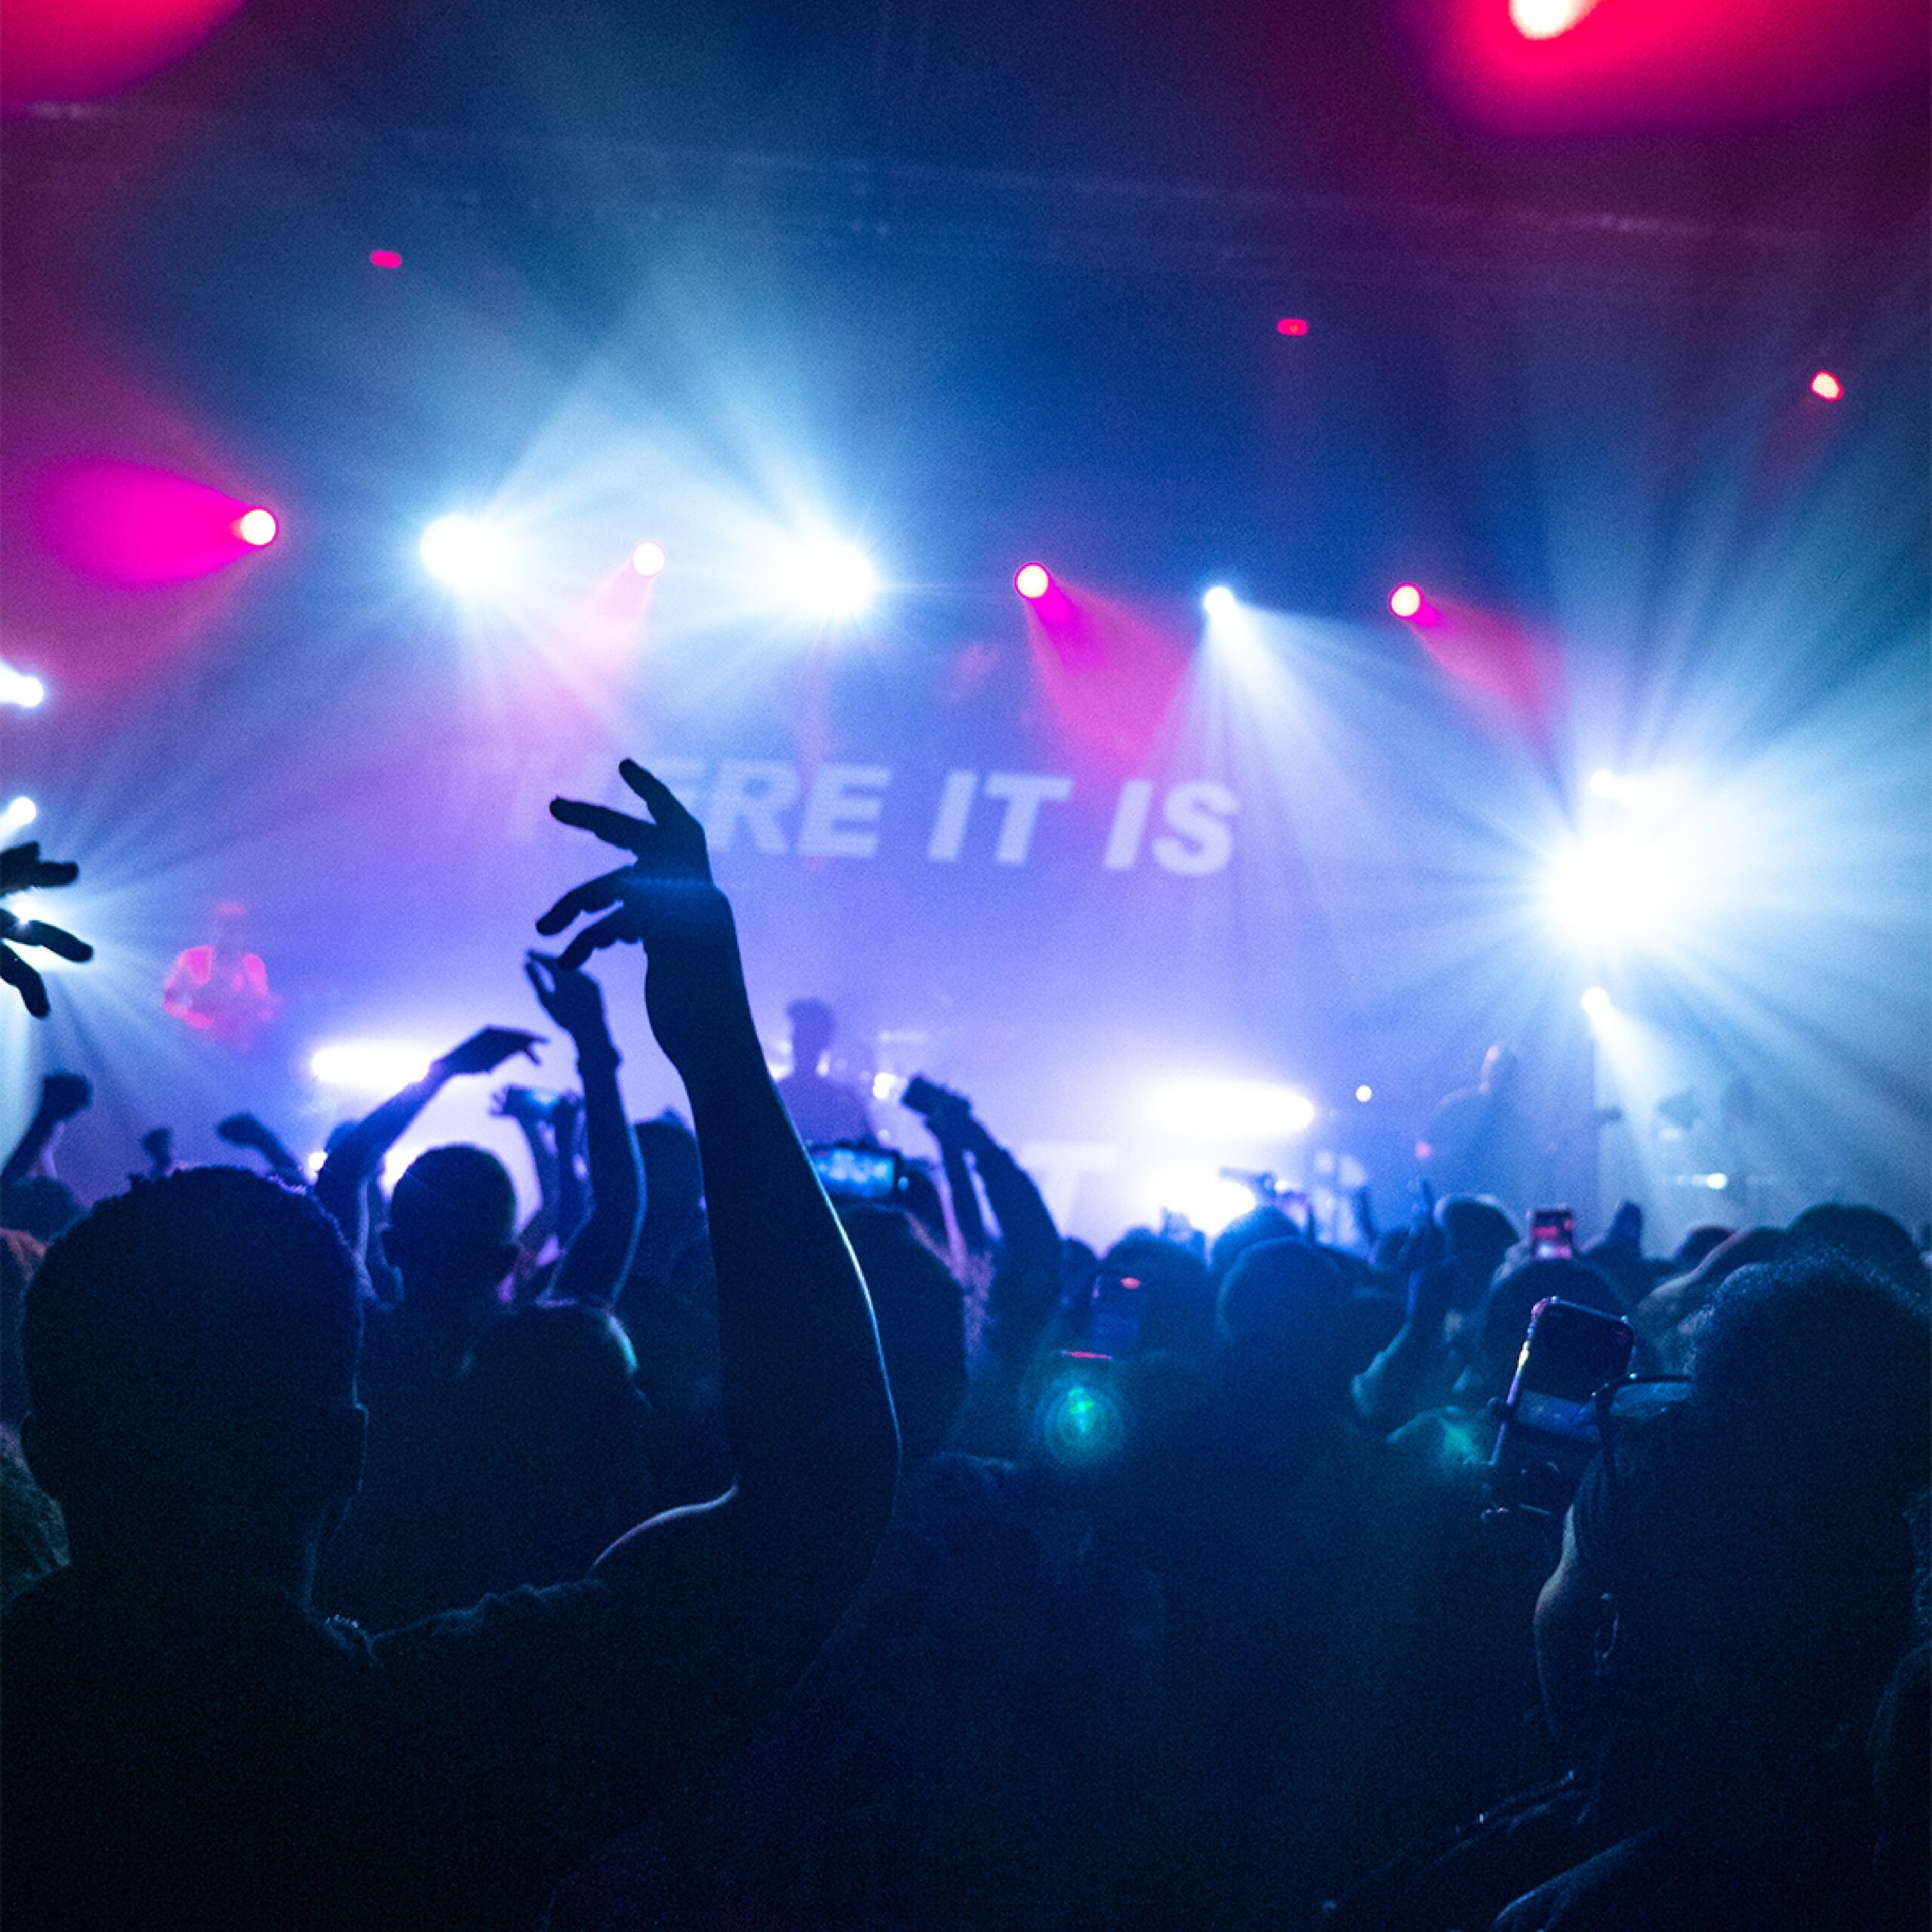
{"x": 1611, "y": 891}
{"x": 1220, "y": 601}
{"x": 1606, "y": 784}
{"x": 1220, "y": 1109}
{"x": 367, "y": 1066}
{"x": 22, "y": 812}
{"x": 836, "y": 580}
{"x": 20, "y": 687}
{"x": 1596, "y": 1002}
{"x": 464, "y": 553}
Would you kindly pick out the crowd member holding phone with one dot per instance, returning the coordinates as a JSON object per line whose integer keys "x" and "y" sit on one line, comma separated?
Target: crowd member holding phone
{"x": 188, "y": 1743}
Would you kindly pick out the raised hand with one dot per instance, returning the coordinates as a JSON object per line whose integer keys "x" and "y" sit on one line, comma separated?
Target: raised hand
{"x": 64, "y": 1095}
{"x": 572, "y": 998}
{"x": 694, "y": 989}
{"x": 486, "y": 1050}
{"x": 22, "y": 869}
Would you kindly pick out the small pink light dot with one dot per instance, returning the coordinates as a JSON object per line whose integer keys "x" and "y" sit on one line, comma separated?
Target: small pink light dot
{"x": 384, "y": 258}
{"x": 1405, "y": 600}
{"x": 1825, "y": 384}
{"x": 1292, "y": 325}
{"x": 1032, "y": 581}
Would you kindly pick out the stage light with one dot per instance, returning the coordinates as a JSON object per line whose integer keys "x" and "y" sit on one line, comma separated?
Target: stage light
{"x": 256, "y": 527}
{"x": 1717, "y": 1184}
{"x": 460, "y": 552}
{"x": 1292, "y": 325}
{"x": 1212, "y": 1109}
{"x": 1611, "y": 892}
{"x": 648, "y": 559}
{"x": 367, "y": 1066}
{"x": 20, "y": 687}
{"x": 1824, "y": 384}
{"x": 1033, "y": 582}
{"x": 21, "y": 813}
{"x": 1220, "y": 601}
{"x": 1405, "y": 600}
{"x": 1606, "y": 784}
{"x": 1207, "y": 1200}
{"x": 384, "y": 258}
{"x": 1364, "y": 1093}
{"x": 835, "y": 579}
{"x": 1544, "y": 20}
{"x": 1596, "y": 1002}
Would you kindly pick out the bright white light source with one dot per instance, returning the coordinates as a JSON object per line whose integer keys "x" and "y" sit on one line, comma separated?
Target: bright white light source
{"x": 1609, "y": 891}
{"x": 1230, "y": 1110}
{"x": 256, "y": 527}
{"x": 368, "y": 1066}
{"x": 20, "y": 687}
{"x": 1717, "y": 1184}
{"x": 22, "y": 811}
{"x": 465, "y": 554}
{"x": 836, "y": 580}
{"x": 1209, "y": 1202}
{"x": 1364, "y": 1093}
{"x": 889, "y": 1086}
{"x": 1031, "y": 582}
{"x": 648, "y": 559}
{"x": 1544, "y": 20}
{"x": 1596, "y": 1002}
{"x": 1606, "y": 784}
{"x": 1219, "y": 602}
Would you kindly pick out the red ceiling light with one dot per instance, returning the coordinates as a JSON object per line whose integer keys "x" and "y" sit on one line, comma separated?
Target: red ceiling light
{"x": 384, "y": 258}
{"x": 1292, "y": 325}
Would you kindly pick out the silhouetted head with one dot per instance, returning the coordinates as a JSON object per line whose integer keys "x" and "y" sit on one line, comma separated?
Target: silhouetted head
{"x": 451, "y": 1234}
{"x": 1865, "y": 1234}
{"x": 1281, "y": 1311}
{"x": 1697, "y": 1243}
{"x": 1477, "y": 1232}
{"x": 1499, "y": 1068}
{"x": 190, "y": 1350}
{"x": 812, "y": 1027}
{"x": 921, "y": 1311}
{"x": 673, "y": 1176}
{"x": 1752, "y": 1539}
{"x": 1266, "y": 1223}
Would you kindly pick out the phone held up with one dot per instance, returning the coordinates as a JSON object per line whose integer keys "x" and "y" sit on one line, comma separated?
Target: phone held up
{"x": 850, "y": 1173}
{"x": 1549, "y": 1419}
{"x": 1553, "y": 1234}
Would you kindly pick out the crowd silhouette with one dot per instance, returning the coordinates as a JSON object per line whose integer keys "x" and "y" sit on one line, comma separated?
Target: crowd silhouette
{"x": 713, "y": 1550}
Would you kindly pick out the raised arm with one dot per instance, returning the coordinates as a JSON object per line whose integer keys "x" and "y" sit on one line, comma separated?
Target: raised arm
{"x": 61, "y": 1097}
{"x": 598, "y": 1261}
{"x": 760, "y": 1577}
{"x": 248, "y": 1131}
{"x": 358, "y": 1153}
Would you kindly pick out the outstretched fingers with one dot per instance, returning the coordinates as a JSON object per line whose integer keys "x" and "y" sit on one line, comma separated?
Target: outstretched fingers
{"x": 17, "y": 974}
{"x": 591, "y": 896}
{"x": 55, "y": 939}
{"x": 614, "y": 828}
{"x": 615, "y": 930}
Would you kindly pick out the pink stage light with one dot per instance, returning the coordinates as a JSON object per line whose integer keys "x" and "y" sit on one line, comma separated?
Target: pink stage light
{"x": 137, "y": 526}
{"x": 1033, "y": 582}
{"x": 1405, "y": 600}
{"x": 1825, "y": 384}
{"x": 1544, "y": 20}
{"x": 1292, "y": 325}
{"x": 384, "y": 258}
{"x": 648, "y": 559}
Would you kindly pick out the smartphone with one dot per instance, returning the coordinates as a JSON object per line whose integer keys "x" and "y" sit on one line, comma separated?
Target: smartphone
{"x": 1114, "y": 1310}
{"x": 859, "y": 1174}
{"x": 1549, "y": 1417}
{"x": 1553, "y": 1234}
